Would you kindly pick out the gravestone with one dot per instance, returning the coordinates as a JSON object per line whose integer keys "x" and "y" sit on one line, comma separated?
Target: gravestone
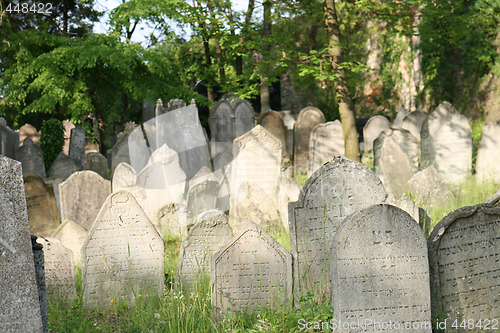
{"x": 273, "y": 122}
{"x": 64, "y": 166}
{"x": 42, "y": 208}
{"x": 222, "y": 170}
{"x": 19, "y": 305}
{"x": 488, "y": 160}
{"x": 120, "y": 153}
{"x": 172, "y": 219}
{"x": 68, "y": 126}
{"x": 307, "y": 119}
{"x": 29, "y": 131}
{"x": 139, "y": 151}
{"x": 207, "y": 236}
{"x": 413, "y": 123}
{"x": 148, "y": 110}
{"x": 380, "y": 272}
{"x": 82, "y": 195}
{"x": 289, "y": 191}
{"x": 374, "y": 126}
{"x": 72, "y": 236}
{"x": 251, "y": 272}
{"x": 123, "y": 256}
{"x": 289, "y": 122}
{"x": 464, "y": 265}
{"x": 202, "y": 193}
{"x": 408, "y": 144}
{"x": 336, "y": 190}
{"x": 428, "y": 189}
{"x": 77, "y": 144}
{"x": 255, "y": 177}
{"x": 59, "y": 268}
{"x": 124, "y": 177}
{"x": 447, "y": 143}
{"x": 31, "y": 158}
{"x": 398, "y": 121}
{"x": 175, "y": 103}
{"x": 327, "y": 140}
{"x": 9, "y": 140}
{"x": 98, "y": 163}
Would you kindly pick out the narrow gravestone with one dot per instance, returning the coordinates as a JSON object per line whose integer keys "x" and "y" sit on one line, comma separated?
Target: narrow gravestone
{"x": 488, "y": 159}
{"x": 447, "y": 143}
{"x": 464, "y": 263}
{"x": 42, "y": 208}
{"x": 202, "y": 193}
{"x": 207, "y": 236}
{"x": 289, "y": 122}
{"x": 138, "y": 148}
{"x": 77, "y": 144}
{"x": 244, "y": 117}
{"x": 374, "y": 126}
{"x": 336, "y": 190}
{"x": 255, "y": 177}
{"x": 273, "y": 122}
{"x": 64, "y": 166}
{"x": 413, "y": 123}
{"x": 327, "y": 140}
{"x": 123, "y": 256}
{"x": 29, "y": 131}
{"x": 82, "y": 195}
{"x": 307, "y": 119}
{"x": 68, "y": 126}
{"x": 9, "y": 140}
{"x": 19, "y": 305}
{"x": 98, "y": 163}
{"x": 59, "y": 269}
{"x": 251, "y": 272}
{"x": 31, "y": 158}
{"x": 380, "y": 272}
{"x": 72, "y": 236}
{"x": 148, "y": 110}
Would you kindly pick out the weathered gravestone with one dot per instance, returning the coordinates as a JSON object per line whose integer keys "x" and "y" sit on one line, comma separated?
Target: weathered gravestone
{"x": 488, "y": 158}
{"x": 202, "y": 193}
{"x": 307, "y": 119}
{"x": 64, "y": 166}
{"x": 29, "y": 131}
{"x": 251, "y": 272}
{"x": 19, "y": 304}
{"x": 31, "y": 158}
{"x": 255, "y": 178}
{"x": 380, "y": 272}
{"x": 446, "y": 142}
{"x": 175, "y": 103}
{"x": 428, "y": 189}
{"x": 374, "y": 126}
{"x": 123, "y": 254}
{"x": 77, "y": 144}
{"x": 59, "y": 268}
{"x": 413, "y": 123}
{"x": 9, "y": 140}
{"x": 42, "y": 208}
{"x": 82, "y": 195}
{"x": 72, "y": 236}
{"x": 206, "y": 237}
{"x": 465, "y": 265}
{"x": 336, "y": 190}
{"x": 408, "y": 144}
{"x": 68, "y": 126}
{"x": 327, "y": 140}
{"x": 273, "y": 122}
{"x": 98, "y": 163}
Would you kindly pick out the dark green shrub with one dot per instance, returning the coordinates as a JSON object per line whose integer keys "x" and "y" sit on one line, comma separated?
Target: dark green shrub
{"x": 51, "y": 140}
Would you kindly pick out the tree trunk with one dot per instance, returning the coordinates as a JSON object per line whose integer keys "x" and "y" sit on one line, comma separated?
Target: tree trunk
{"x": 239, "y": 57}
{"x": 265, "y": 104}
{"x": 344, "y": 100}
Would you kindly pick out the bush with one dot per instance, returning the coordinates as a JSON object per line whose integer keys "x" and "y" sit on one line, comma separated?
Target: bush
{"x": 51, "y": 140}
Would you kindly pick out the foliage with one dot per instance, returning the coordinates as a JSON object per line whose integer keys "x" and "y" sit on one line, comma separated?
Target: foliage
{"x": 51, "y": 140}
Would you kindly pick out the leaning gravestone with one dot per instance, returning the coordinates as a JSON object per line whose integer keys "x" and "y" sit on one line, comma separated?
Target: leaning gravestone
{"x": 380, "y": 272}
{"x": 31, "y": 158}
{"x": 273, "y": 122}
{"x": 59, "y": 268}
{"x": 447, "y": 143}
{"x": 255, "y": 177}
{"x": 64, "y": 166}
{"x": 72, "y": 236}
{"x": 9, "y": 140}
{"x": 82, "y": 195}
{"x": 202, "y": 193}
{"x": 307, "y": 119}
{"x": 19, "y": 305}
{"x": 336, "y": 190}
{"x": 488, "y": 159}
{"x": 42, "y": 208}
{"x": 123, "y": 256}
{"x": 374, "y": 126}
{"x": 413, "y": 123}
{"x": 327, "y": 140}
{"x": 251, "y": 272}
{"x": 98, "y": 163}
{"x": 77, "y": 144}
{"x": 465, "y": 265}
{"x": 207, "y": 236}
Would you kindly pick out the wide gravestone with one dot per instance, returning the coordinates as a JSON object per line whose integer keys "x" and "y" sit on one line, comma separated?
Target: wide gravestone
{"x": 447, "y": 143}
{"x": 273, "y": 122}
{"x": 98, "y": 163}
{"x": 82, "y": 195}
{"x": 307, "y": 119}
{"x": 327, "y": 140}
{"x": 206, "y": 237}
{"x": 334, "y": 191}
{"x": 31, "y": 158}
{"x": 380, "y": 272}
{"x": 488, "y": 159}
{"x": 251, "y": 272}
{"x": 123, "y": 256}
{"x": 465, "y": 265}
{"x": 19, "y": 305}
{"x": 64, "y": 166}
{"x": 42, "y": 208}
{"x": 255, "y": 176}
{"x": 202, "y": 193}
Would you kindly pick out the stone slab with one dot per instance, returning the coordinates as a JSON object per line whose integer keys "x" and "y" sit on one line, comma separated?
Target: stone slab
{"x": 41, "y": 204}
{"x": 307, "y": 119}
